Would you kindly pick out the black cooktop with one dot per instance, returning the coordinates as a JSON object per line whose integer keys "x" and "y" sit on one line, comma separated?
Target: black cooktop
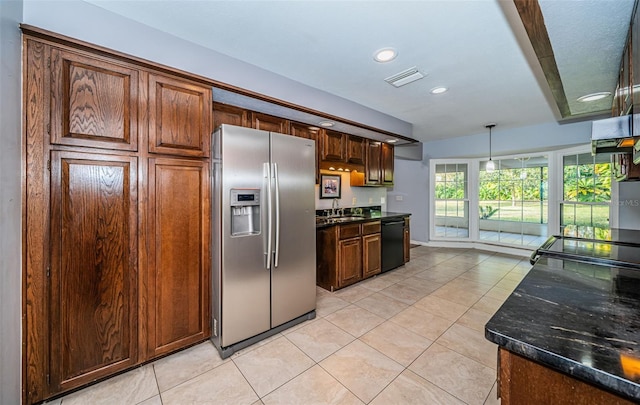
{"x": 622, "y": 250}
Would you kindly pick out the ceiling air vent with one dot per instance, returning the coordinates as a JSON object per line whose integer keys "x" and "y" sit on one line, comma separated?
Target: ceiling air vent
{"x": 404, "y": 77}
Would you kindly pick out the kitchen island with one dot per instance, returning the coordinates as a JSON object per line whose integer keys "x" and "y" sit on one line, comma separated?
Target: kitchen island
{"x": 570, "y": 331}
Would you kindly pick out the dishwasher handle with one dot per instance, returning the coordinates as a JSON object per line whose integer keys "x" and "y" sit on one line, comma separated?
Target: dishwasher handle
{"x": 393, "y": 223}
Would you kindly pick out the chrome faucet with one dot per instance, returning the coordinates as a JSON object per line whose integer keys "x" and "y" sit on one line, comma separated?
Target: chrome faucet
{"x": 335, "y": 206}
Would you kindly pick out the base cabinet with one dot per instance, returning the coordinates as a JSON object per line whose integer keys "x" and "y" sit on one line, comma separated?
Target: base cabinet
{"x": 372, "y": 261}
{"x": 525, "y": 382}
{"x": 349, "y": 261}
{"x": 346, "y": 254}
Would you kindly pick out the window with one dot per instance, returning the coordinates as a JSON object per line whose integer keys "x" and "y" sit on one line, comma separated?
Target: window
{"x": 584, "y": 211}
{"x": 451, "y": 203}
{"x": 513, "y": 201}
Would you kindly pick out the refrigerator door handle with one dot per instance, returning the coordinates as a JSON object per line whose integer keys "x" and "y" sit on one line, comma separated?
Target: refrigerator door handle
{"x": 267, "y": 168}
{"x": 277, "y": 198}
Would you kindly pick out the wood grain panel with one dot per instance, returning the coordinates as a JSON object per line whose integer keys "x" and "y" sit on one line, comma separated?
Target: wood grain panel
{"x": 179, "y": 253}
{"x": 373, "y": 168}
{"x": 524, "y": 382}
{"x": 180, "y": 117}
{"x": 327, "y": 257}
{"x": 387, "y": 164}
{"x": 308, "y": 132}
{"x": 229, "y": 114}
{"x": 355, "y": 149}
{"x": 35, "y": 237}
{"x": 269, "y": 123}
{"x": 533, "y": 21}
{"x": 93, "y": 266}
{"x": 333, "y": 146}
{"x": 350, "y": 261}
{"x": 371, "y": 255}
{"x": 94, "y": 102}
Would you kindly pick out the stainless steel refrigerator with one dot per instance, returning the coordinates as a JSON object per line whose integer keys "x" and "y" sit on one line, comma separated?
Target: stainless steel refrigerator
{"x": 264, "y": 250}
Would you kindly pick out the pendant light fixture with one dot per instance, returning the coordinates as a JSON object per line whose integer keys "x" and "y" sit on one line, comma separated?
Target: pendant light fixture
{"x": 490, "y": 165}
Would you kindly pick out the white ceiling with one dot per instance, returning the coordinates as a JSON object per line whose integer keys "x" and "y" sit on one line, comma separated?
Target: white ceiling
{"x": 467, "y": 46}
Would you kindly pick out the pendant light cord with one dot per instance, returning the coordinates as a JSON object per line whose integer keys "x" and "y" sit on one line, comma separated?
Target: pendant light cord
{"x": 490, "y": 126}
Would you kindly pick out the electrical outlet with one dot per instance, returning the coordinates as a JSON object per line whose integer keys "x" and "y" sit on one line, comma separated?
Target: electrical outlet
{"x": 353, "y": 201}
{"x": 398, "y": 198}
{"x": 382, "y": 200}
{"x": 370, "y": 200}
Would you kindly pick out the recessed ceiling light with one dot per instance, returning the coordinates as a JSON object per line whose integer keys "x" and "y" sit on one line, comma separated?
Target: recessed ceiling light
{"x": 391, "y": 140}
{"x": 594, "y": 96}
{"x": 326, "y": 124}
{"x": 438, "y": 90}
{"x": 385, "y": 55}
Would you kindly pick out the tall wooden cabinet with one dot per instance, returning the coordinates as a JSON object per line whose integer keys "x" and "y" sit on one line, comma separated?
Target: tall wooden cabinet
{"x": 117, "y": 213}
{"x": 92, "y": 307}
{"x": 178, "y": 259}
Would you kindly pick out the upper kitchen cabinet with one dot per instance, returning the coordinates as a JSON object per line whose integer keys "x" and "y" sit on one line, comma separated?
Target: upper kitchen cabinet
{"x": 387, "y": 164}
{"x": 179, "y": 116}
{"x": 333, "y": 146}
{"x": 229, "y": 114}
{"x": 355, "y": 150}
{"x": 269, "y": 123}
{"x": 94, "y": 101}
{"x": 116, "y": 226}
{"x": 373, "y": 168}
{"x": 378, "y": 168}
{"x": 308, "y": 132}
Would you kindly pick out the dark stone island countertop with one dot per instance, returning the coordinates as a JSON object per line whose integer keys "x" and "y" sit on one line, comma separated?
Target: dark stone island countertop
{"x": 578, "y": 318}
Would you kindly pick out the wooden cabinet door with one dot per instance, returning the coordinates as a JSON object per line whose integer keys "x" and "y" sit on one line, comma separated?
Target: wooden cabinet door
{"x": 93, "y": 301}
{"x": 269, "y": 123}
{"x": 350, "y": 261}
{"x": 180, "y": 117}
{"x": 387, "y": 164}
{"x": 355, "y": 149}
{"x": 333, "y": 146}
{"x": 229, "y": 114}
{"x": 371, "y": 259}
{"x": 373, "y": 168}
{"x": 93, "y": 102}
{"x": 179, "y": 254}
{"x": 308, "y": 132}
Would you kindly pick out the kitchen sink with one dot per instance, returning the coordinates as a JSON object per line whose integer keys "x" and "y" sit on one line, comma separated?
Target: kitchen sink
{"x": 335, "y": 220}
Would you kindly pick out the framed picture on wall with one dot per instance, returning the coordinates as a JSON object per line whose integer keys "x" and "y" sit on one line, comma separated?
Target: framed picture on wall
{"x": 330, "y": 186}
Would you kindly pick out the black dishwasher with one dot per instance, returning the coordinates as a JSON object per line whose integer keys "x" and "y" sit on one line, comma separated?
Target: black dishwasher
{"x": 392, "y": 243}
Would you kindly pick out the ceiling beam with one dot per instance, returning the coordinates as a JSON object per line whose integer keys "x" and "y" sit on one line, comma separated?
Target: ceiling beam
{"x": 533, "y": 21}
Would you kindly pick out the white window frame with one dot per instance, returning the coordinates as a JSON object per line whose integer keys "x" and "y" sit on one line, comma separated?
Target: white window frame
{"x": 554, "y": 199}
{"x": 559, "y": 161}
{"x": 432, "y": 199}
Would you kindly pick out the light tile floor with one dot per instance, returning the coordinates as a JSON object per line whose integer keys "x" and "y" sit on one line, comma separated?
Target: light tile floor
{"x": 414, "y": 335}
{"x": 508, "y": 238}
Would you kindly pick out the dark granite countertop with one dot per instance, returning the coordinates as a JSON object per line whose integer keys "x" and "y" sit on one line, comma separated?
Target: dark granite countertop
{"x": 578, "y": 318}
{"x": 322, "y": 222}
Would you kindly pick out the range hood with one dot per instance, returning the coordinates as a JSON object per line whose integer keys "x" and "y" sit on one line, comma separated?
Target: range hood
{"x": 612, "y": 135}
